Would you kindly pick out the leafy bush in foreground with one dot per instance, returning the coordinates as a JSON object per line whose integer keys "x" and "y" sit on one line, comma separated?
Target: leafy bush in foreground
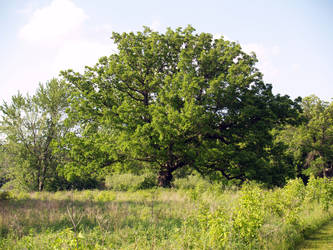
{"x": 249, "y": 224}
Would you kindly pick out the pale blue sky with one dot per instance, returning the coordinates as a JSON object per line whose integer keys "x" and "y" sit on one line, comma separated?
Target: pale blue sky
{"x": 293, "y": 39}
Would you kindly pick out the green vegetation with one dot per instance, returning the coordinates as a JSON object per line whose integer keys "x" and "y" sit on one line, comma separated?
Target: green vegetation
{"x": 172, "y": 101}
{"x": 130, "y": 182}
{"x": 244, "y": 168}
{"x": 310, "y": 143}
{"x": 32, "y": 125}
{"x": 4, "y": 195}
{"x": 167, "y": 105}
{"x": 202, "y": 217}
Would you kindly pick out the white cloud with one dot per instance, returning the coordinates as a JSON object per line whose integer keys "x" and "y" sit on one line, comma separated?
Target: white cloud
{"x": 53, "y": 23}
{"x": 56, "y": 37}
{"x": 55, "y": 29}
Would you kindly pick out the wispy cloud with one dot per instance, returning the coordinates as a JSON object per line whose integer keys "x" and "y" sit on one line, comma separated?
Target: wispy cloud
{"x": 56, "y": 30}
{"x": 56, "y": 37}
{"x": 53, "y": 23}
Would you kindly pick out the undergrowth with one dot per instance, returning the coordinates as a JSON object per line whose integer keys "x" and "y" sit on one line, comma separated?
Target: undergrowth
{"x": 192, "y": 216}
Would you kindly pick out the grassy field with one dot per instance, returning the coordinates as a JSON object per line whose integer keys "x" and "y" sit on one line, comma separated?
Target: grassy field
{"x": 93, "y": 219}
{"x": 204, "y": 217}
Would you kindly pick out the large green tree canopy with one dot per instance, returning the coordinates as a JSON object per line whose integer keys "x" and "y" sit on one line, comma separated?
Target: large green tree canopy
{"x": 175, "y": 100}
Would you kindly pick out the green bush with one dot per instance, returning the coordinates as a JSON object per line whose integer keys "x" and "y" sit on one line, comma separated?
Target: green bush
{"x": 149, "y": 181}
{"x": 105, "y": 196}
{"x": 130, "y": 182}
{"x": 4, "y": 195}
{"x": 191, "y": 182}
{"x": 261, "y": 218}
{"x": 321, "y": 191}
{"x": 249, "y": 214}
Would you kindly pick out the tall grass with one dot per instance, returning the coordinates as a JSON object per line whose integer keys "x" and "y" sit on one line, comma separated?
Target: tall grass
{"x": 111, "y": 220}
{"x": 193, "y": 216}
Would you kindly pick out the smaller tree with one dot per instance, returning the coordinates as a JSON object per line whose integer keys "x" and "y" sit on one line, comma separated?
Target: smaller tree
{"x": 30, "y": 126}
{"x": 4, "y": 163}
{"x": 310, "y": 144}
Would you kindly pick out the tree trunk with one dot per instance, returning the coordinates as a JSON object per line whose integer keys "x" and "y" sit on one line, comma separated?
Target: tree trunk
{"x": 165, "y": 177}
{"x": 38, "y": 179}
{"x": 42, "y": 178}
{"x": 41, "y": 185}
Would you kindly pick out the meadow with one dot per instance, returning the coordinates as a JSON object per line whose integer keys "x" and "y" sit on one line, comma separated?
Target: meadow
{"x": 195, "y": 214}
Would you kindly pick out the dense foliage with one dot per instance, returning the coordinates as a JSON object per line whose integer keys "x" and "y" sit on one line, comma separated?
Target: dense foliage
{"x": 164, "y": 105}
{"x": 180, "y": 110}
{"x": 253, "y": 223}
{"x": 310, "y": 143}
{"x": 177, "y": 100}
{"x": 31, "y": 126}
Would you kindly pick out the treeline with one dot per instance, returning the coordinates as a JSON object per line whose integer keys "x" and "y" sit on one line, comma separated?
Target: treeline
{"x": 168, "y": 104}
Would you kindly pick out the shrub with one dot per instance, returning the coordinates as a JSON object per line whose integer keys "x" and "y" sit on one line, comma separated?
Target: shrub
{"x": 4, "y": 195}
{"x": 105, "y": 196}
{"x": 249, "y": 214}
{"x": 191, "y": 182}
{"x": 321, "y": 191}
{"x": 130, "y": 182}
{"x": 149, "y": 181}
{"x": 264, "y": 219}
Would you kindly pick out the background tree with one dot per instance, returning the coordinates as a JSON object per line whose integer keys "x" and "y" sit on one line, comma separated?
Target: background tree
{"x": 30, "y": 126}
{"x": 4, "y": 164}
{"x": 177, "y": 100}
{"x": 310, "y": 144}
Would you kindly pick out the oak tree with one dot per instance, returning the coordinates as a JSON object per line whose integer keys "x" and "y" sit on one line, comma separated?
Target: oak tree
{"x": 174, "y": 100}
